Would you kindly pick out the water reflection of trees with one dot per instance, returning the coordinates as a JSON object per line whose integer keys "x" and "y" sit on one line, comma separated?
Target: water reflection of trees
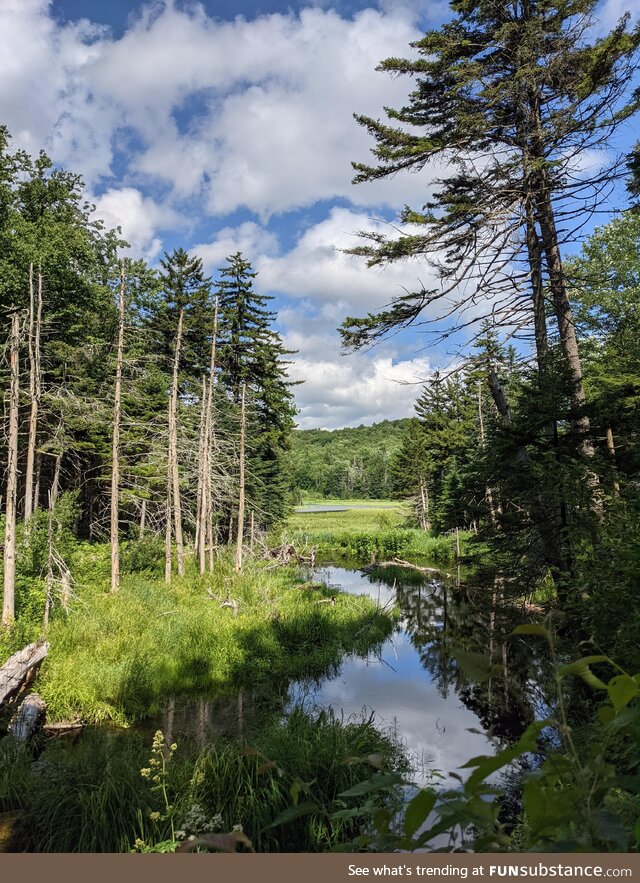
{"x": 443, "y": 617}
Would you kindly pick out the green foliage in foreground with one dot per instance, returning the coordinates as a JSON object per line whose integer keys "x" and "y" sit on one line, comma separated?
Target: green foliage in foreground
{"x": 99, "y": 795}
{"x": 578, "y": 796}
{"x": 113, "y": 657}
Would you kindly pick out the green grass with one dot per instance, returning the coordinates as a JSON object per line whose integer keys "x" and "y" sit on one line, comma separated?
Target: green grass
{"x": 114, "y": 657}
{"x": 311, "y": 499}
{"x": 90, "y": 796}
{"x": 316, "y": 757}
{"x": 353, "y": 521}
{"x": 361, "y": 533}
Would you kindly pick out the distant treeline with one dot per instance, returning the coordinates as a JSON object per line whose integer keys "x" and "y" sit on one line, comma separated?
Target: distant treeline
{"x": 348, "y": 463}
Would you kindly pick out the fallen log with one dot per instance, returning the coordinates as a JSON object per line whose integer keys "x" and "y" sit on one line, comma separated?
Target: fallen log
{"x": 18, "y": 667}
{"x": 61, "y": 728}
{"x": 400, "y": 562}
{"x": 27, "y": 718}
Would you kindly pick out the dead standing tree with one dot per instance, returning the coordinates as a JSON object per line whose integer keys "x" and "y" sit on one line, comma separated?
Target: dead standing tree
{"x": 241, "y": 482}
{"x": 8, "y": 602}
{"x": 115, "y": 446}
{"x": 35, "y": 390}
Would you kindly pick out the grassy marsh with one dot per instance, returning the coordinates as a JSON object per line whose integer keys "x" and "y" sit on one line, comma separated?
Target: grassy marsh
{"x": 376, "y": 528}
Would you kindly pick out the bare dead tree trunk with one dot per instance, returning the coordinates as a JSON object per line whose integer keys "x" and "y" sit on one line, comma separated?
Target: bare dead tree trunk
{"x": 167, "y": 529}
{"x": 239, "y": 537}
{"x": 117, "y": 413}
{"x": 35, "y": 324}
{"x": 143, "y": 518}
{"x": 173, "y": 446}
{"x": 8, "y": 601}
{"x": 612, "y": 454}
{"x": 53, "y": 497}
{"x": 55, "y": 484}
{"x": 49, "y": 582}
{"x": 207, "y": 499}
{"x": 36, "y": 485}
{"x": 424, "y": 499}
{"x": 201, "y": 471}
{"x": 201, "y": 465}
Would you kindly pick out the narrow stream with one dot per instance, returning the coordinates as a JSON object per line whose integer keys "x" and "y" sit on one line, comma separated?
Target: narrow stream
{"x": 413, "y": 684}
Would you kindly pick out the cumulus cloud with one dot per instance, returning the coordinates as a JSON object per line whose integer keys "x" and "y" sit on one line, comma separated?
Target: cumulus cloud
{"x": 138, "y": 216}
{"x": 250, "y": 238}
{"x": 185, "y": 119}
{"x": 318, "y": 268}
{"x": 347, "y": 390}
{"x": 245, "y": 113}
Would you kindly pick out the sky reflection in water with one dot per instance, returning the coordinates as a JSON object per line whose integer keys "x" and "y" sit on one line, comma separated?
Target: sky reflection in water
{"x": 397, "y": 687}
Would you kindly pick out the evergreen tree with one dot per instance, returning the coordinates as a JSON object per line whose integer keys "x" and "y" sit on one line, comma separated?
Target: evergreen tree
{"x": 508, "y": 96}
{"x": 251, "y": 355}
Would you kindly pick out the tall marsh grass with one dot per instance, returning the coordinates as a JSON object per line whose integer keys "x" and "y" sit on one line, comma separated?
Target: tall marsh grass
{"x": 90, "y": 795}
{"x": 363, "y": 534}
{"x": 115, "y": 656}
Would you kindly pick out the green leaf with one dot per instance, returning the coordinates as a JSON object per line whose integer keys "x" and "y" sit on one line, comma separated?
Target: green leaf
{"x": 375, "y": 783}
{"x": 294, "y": 812}
{"x": 487, "y": 764}
{"x": 581, "y": 669}
{"x": 418, "y": 809}
{"x": 606, "y": 714}
{"x": 534, "y": 628}
{"x": 622, "y": 689}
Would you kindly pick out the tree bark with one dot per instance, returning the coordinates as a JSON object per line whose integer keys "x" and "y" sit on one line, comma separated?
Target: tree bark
{"x": 201, "y": 473}
{"x": 167, "y": 530}
{"x": 36, "y": 485}
{"x": 17, "y": 667}
{"x": 53, "y": 496}
{"x": 115, "y": 467}
{"x": 612, "y": 454}
{"x": 173, "y": 446}
{"x": 209, "y": 436}
{"x": 35, "y": 324}
{"x": 8, "y": 602}
{"x": 239, "y": 536}
{"x": 424, "y": 499}
{"x": 143, "y": 518}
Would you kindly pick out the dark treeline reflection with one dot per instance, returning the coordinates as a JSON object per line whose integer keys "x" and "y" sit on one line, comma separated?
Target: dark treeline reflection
{"x": 446, "y": 620}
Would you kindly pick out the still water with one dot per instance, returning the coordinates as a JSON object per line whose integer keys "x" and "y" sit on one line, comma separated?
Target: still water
{"x": 413, "y": 684}
{"x": 426, "y": 714}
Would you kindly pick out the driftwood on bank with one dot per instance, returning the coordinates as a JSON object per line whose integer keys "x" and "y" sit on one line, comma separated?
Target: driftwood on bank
{"x": 224, "y": 602}
{"x": 28, "y": 717}
{"x": 18, "y": 667}
{"x": 400, "y": 562}
{"x": 288, "y": 554}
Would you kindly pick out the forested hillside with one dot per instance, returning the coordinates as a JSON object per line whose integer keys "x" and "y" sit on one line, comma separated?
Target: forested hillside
{"x": 353, "y": 463}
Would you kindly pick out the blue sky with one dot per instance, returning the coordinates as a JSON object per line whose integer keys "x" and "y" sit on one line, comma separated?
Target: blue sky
{"x": 226, "y": 125}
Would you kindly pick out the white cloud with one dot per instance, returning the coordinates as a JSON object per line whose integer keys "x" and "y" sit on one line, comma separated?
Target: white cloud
{"x": 347, "y": 390}
{"x": 249, "y": 238}
{"x": 317, "y": 268}
{"x": 243, "y": 113}
{"x": 138, "y": 216}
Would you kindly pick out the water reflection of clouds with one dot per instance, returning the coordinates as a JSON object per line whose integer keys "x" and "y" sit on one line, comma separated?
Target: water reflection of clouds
{"x": 401, "y": 693}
